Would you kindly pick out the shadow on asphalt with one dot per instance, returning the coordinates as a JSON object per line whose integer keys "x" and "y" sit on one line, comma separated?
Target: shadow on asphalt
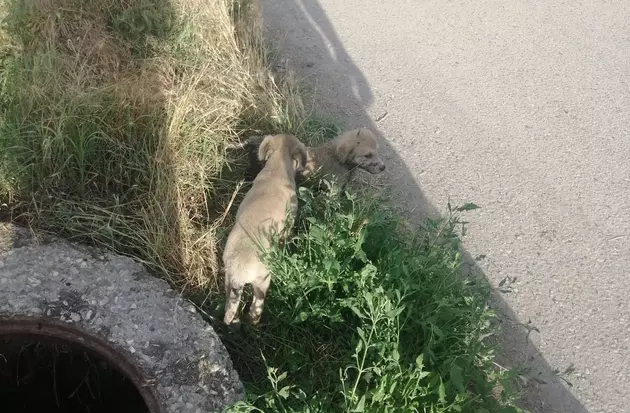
{"x": 308, "y": 41}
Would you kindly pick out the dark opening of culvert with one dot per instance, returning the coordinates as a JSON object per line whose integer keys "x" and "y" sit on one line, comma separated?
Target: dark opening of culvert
{"x": 46, "y": 367}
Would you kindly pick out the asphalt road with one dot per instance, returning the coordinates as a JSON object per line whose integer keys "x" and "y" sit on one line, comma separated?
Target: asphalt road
{"x": 523, "y": 107}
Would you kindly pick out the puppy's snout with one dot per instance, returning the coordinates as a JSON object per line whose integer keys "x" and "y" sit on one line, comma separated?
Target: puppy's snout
{"x": 381, "y": 167}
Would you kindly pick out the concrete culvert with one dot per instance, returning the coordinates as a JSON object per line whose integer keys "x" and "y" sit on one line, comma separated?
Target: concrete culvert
{"x": 62, "y": 304}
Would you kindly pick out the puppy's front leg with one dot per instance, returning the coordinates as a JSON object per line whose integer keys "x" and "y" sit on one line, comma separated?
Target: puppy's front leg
{"x": 260, "y": 288}
{"x": 233, "y": 293}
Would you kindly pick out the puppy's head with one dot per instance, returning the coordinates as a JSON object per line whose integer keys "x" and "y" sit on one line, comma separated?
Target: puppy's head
{"x": 281, "y": 144}
{"x": 359, "y": 148}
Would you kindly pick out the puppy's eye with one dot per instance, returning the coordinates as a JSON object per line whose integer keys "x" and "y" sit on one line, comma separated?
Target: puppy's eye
{"x": 369, "y": 156}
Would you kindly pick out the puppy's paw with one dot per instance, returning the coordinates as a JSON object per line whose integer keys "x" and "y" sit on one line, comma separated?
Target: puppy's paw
{"x": 253, "y": 319}
{"x": 235, "y": 325}
{"x": 230, "y": 317}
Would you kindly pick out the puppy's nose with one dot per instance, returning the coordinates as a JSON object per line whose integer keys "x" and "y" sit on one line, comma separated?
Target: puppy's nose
{"x": 381, "y": 167}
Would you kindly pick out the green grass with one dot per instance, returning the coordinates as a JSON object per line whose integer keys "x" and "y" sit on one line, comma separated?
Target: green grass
{"x": 115, "y": 123}
{"x": 369, "y": 314}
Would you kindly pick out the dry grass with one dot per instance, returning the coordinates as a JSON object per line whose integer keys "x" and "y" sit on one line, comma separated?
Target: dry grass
{"x": 116, "y": 115}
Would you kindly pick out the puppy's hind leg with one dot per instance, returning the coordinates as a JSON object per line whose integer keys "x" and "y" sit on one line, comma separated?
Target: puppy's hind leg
{"x": 260, "y": 288}
{"x": 233, "y": 293}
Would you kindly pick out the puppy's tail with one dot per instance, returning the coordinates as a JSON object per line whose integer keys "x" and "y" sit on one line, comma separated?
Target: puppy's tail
{"x": 250, "y": 142}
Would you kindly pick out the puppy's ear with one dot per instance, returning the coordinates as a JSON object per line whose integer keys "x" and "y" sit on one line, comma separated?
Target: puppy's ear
{"x": 299, "y": 156}
{"x": 345, "y": 151}
{"x": 265, "y": 149}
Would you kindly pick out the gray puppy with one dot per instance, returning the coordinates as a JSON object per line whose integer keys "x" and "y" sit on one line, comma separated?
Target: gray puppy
{"x": 262, "y": 214}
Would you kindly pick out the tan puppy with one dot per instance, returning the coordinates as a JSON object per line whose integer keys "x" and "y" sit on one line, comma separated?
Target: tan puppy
{"x": 262, "y": 214}
{"x": 357, "y": 148}
{"x": 341, "y": 156}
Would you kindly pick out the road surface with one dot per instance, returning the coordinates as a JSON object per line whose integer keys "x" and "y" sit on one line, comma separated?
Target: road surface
{"x": 523, "y": 107}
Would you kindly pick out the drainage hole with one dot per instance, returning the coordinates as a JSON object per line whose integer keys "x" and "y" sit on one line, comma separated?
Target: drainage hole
{"x": 38, "y": 377}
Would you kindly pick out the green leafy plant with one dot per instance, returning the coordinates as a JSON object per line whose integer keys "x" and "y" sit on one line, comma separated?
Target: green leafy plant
{"x": 367, "y": 314}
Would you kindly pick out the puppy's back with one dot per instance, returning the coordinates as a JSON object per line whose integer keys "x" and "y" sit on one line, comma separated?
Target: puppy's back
{"x": 264, "y": 209}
